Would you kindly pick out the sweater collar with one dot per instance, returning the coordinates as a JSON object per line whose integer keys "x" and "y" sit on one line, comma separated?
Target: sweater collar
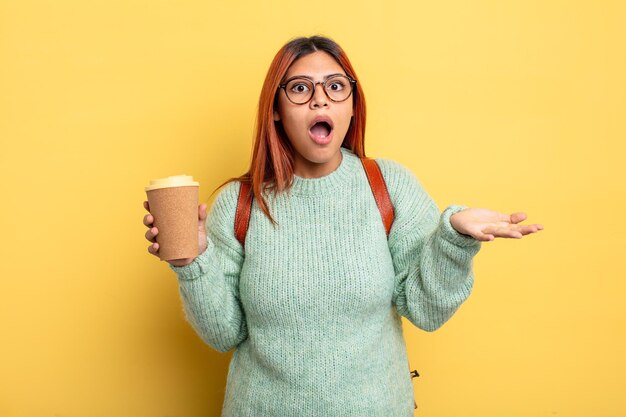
{"x": 329, "y": 183}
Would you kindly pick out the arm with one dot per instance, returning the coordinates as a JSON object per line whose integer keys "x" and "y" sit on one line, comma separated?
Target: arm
{"x": 432, "y": 261}
{"x": 209, "y": 286}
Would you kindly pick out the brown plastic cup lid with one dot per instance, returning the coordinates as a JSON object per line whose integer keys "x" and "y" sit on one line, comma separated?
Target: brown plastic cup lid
{"x": 173, "y": 181}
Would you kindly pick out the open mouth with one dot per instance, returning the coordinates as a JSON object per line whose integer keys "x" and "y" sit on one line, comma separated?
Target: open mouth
{"x": 321, "y": 130}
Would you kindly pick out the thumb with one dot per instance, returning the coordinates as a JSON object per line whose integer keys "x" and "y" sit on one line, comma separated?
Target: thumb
{"x": 202, "y": 212}
{"x": 518, "y": 217}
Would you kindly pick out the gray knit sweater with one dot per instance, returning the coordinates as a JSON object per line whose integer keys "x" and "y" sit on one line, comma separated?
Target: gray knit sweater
{"x": 313, "y": 305}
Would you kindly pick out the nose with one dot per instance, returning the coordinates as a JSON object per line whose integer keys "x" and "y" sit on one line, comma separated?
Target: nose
{"x": 319, "y": 99}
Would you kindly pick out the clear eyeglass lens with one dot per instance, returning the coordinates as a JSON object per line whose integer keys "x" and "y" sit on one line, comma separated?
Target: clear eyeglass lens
{"x": 300, "y": 90}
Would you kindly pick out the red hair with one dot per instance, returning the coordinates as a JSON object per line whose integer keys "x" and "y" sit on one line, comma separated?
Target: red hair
{"x": 273, "y": 156}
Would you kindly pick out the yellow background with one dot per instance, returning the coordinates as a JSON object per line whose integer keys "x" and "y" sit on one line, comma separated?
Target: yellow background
{"x": 513, "y": 106}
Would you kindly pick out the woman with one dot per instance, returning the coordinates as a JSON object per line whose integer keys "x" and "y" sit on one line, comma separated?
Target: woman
{"x": 312, "y": 301}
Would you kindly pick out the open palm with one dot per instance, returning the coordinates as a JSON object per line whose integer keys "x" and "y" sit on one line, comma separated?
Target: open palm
{"x": 486, "y": 225}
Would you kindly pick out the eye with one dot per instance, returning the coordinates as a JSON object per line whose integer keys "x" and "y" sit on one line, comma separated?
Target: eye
{"x": 336, "y": 85}
{"x": 299, "y": 87}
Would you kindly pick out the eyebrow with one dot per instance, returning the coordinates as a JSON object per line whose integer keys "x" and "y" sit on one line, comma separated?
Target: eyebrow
{"x": 311, "y": 78}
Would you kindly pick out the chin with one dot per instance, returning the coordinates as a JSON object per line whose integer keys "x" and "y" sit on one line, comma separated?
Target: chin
{"x": 323, "y": 155}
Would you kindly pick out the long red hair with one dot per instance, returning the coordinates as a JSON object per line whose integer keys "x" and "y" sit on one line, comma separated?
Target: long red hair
{"x": 273, "y": 156}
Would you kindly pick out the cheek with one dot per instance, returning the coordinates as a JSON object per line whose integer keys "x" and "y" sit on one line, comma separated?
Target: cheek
{"x": 291, "y": 115}
{"x": 347, "y": 116}
{"x": 292, "y": 123}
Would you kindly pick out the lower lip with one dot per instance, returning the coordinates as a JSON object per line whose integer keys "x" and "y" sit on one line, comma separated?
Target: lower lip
{"x": 322, "y": 141}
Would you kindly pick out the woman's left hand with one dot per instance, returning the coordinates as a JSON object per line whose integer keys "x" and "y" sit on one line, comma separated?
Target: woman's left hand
{"x": 486, "y": 225}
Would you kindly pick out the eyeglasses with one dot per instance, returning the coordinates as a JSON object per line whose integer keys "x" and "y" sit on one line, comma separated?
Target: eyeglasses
{"x": 300, "y": 90}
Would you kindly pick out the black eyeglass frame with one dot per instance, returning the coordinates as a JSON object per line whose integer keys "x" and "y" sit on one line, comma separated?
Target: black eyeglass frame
{"x": 315, "y": 83}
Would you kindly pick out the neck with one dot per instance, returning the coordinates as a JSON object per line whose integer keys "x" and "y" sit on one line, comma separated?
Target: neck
{"x": 306, "y": 169}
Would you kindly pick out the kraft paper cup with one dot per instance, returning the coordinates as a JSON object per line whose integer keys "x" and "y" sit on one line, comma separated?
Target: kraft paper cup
{"x": 174, "y": 205}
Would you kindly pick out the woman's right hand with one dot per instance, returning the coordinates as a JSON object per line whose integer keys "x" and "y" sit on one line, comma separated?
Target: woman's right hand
{"x": 148, "y": 220}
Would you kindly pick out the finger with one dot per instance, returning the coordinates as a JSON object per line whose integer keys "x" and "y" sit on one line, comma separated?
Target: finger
{"x": 154, "y": 249}
{"x": 531, "y": 228}
{"x": 151, "y": 233}
{"x": 146, "y": 205}
{"x": 484, "y": 237}
{"x": 148, "y": 220}
{"x": 518, "y": 217}
{"x": 509, "y": 232}
{"x": 202, "y": 212}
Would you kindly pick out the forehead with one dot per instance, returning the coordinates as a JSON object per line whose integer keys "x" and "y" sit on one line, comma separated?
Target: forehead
{"x": 316, "y": 65}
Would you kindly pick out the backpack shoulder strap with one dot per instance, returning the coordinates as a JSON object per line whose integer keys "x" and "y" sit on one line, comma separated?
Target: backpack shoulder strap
{"x": 242, "y": 215}
{"x": 374, "y": 177}
{"x": 379, "y": 189}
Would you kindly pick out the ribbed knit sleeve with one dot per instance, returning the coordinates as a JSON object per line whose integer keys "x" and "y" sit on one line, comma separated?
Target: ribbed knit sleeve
{"x": 432, "y": 261}
{"x": 209, "y": 286}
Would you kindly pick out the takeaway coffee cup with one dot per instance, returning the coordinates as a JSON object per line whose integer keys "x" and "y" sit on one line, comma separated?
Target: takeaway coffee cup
{"x": 174, "y": 205}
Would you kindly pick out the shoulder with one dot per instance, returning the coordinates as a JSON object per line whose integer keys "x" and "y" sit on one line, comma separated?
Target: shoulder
{"x": 408, "y": 195}
{"x": 393, "y": 169}
{"x": 400, "y": 180}
{"x": 221, "y": 216}
{"x": 227, "y": 196}
{"x": 413, "y": 206}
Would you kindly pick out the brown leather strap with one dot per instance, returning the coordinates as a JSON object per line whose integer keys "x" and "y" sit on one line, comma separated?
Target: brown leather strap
{"x": 242, "y": 215}
{"x": 381, "y": 194}
{"x": 374, "y": 176}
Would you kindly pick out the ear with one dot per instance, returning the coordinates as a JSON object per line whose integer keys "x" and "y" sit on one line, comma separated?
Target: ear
{"x": 276, "y": 116}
